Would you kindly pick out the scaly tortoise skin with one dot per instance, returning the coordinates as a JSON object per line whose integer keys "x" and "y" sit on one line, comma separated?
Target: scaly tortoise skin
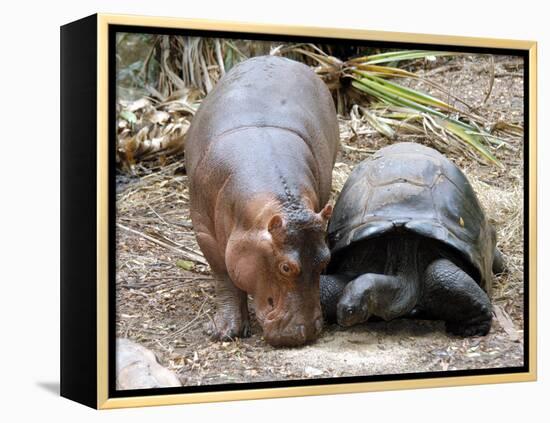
{"x": 408, "y": 236}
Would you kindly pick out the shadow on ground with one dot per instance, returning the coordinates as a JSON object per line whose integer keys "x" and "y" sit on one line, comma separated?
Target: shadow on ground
{"x": 50, "y": 387}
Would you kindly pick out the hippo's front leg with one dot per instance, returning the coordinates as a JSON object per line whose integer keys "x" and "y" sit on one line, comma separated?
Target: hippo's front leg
{"x": 231, "y": 319}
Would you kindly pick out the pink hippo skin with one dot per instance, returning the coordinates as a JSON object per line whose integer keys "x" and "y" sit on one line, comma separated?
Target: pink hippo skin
{"x": 259, "y": 157}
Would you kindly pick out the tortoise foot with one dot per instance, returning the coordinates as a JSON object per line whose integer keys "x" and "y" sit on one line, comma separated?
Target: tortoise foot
{"x": 469, "y": 329}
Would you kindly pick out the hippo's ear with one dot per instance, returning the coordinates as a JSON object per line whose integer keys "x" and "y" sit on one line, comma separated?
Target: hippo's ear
{"x": 275, "y": 224}
{"x": 326, "y": 213}
{"x": 276, "y": 228}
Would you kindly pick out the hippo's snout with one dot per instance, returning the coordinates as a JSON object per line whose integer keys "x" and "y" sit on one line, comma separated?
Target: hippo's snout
{"x": 293, "y": 334}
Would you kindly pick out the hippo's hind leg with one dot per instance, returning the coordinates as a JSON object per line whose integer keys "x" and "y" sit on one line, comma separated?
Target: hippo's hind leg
{"x": 370, "y": 294}
{"x": 231, "y": 319}
{"x": 450, "y": 294}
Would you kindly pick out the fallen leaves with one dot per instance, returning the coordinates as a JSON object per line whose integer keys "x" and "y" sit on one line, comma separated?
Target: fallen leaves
{"x": 506, "y": 323}
{"x": 148, "y": 128}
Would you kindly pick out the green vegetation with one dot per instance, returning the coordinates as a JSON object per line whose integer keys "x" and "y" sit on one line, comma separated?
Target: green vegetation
{"x": 169, "y": 69}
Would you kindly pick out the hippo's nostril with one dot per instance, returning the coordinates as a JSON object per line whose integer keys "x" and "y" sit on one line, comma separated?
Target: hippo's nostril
{"x": 270, "y": 302}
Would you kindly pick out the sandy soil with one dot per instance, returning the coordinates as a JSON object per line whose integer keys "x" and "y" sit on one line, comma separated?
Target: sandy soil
{"x": 164, "y": 300}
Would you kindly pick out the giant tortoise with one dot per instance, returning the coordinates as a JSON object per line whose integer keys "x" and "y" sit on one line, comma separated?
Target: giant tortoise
{"x": 408, "y": 237}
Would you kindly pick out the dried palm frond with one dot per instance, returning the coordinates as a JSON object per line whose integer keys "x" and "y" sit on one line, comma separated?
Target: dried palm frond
{"x": 198, "y": 62}
{"x": 188, "y": 68}
{"x": 393, "y": 106}
{"x": 371, "y": 82}
{"x": 148, "y": 128}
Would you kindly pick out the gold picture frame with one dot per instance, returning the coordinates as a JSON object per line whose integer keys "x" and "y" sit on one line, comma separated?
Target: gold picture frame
{"x": 97, "y": 395}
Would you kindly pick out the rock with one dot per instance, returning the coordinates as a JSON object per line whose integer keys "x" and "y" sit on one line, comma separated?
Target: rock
{"x": 312, "y": 371}
{"x": 138, "y": 368}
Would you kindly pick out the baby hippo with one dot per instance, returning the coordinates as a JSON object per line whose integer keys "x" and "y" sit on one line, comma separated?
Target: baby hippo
{"x": 259, "y": 157}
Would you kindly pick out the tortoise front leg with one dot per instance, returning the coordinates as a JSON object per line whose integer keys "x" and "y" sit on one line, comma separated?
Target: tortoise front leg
{"x": 450, "y": 294}
{"x": 370, "y": 294}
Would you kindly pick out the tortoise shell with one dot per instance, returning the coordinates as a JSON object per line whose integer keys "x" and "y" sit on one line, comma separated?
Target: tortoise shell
{"x": 410, "y": 187}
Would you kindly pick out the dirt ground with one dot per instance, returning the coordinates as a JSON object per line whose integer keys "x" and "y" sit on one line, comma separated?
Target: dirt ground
{"x": 164, "y": 300}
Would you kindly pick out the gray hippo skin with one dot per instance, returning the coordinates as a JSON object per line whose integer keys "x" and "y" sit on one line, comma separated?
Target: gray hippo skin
{"x": 259, "y": 156}
{"x": 408, "y": 237}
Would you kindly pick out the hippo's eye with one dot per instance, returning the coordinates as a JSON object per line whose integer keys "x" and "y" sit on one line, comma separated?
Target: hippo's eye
{"x": 285, "y": 268}
{"x": 289, "y": 268}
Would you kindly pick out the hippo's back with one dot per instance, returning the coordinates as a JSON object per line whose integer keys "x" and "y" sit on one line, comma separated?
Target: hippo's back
{"x": 267, "y": 91}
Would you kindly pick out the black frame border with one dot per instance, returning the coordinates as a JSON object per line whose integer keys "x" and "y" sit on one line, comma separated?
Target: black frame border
{"x": 78, "y": 211}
